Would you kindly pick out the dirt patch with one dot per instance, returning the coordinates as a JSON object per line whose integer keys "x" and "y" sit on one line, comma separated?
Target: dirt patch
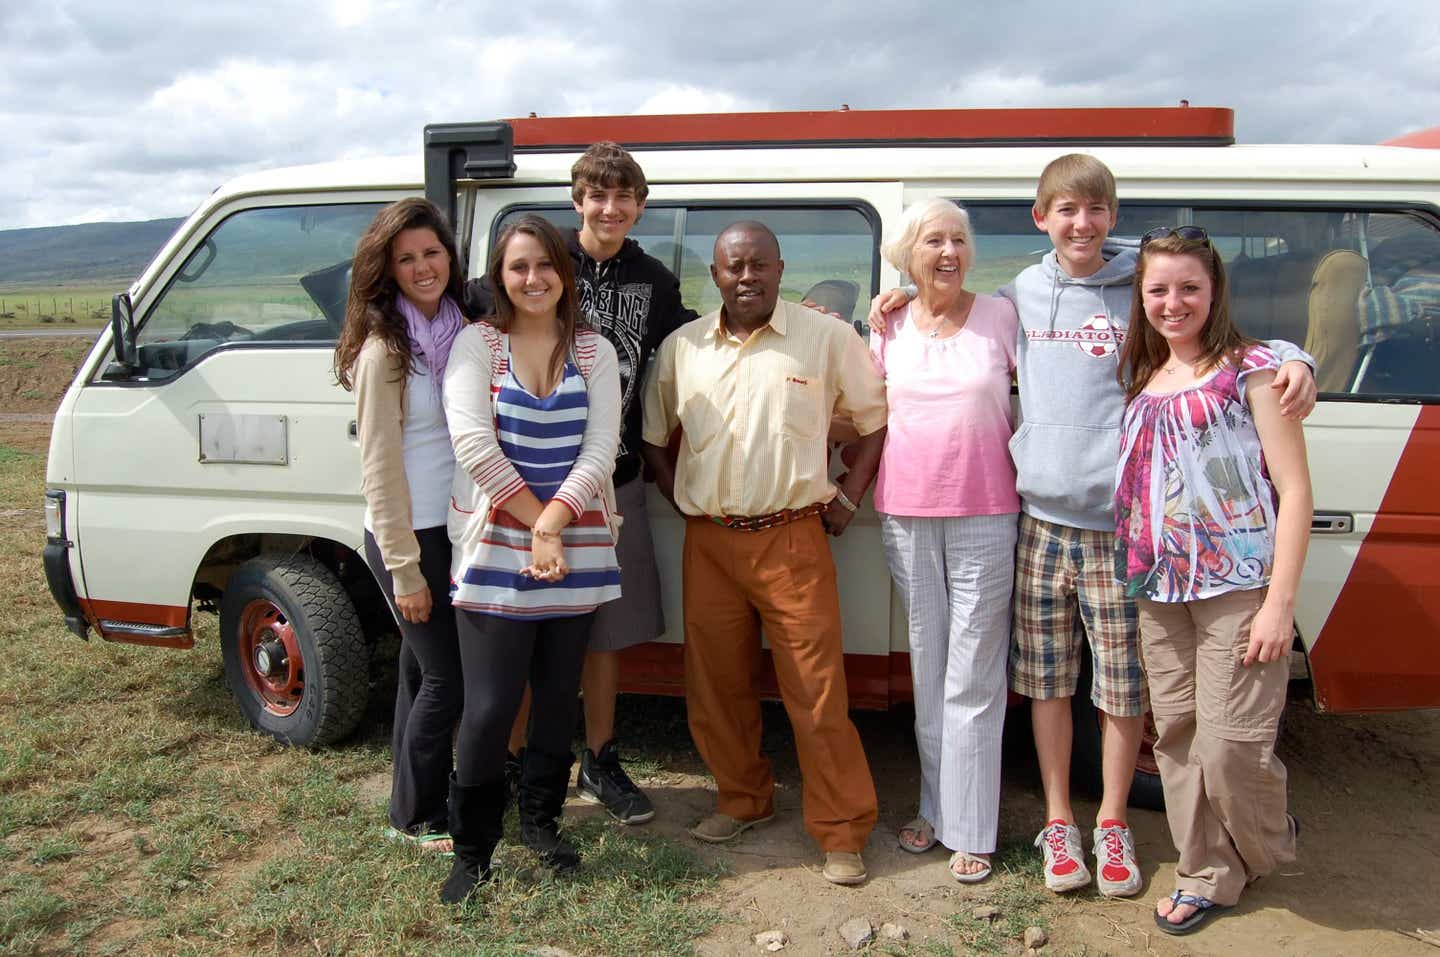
{"x": 1367, "y": 790}
{"x": 34, "y": 373}
{"x": 25, "y": 434}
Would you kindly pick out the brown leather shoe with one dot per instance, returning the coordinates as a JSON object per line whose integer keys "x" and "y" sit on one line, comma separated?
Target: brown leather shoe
{"x": 719, "y": 828}
{"x": 844, "y": 867}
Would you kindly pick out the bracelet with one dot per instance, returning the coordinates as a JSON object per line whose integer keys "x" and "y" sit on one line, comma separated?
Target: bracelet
{"x": 543, "y": 535}
{"x": 844, "y": 500}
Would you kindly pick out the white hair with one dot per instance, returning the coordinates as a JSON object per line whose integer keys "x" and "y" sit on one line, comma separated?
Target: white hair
{"x": 897, "y": 250}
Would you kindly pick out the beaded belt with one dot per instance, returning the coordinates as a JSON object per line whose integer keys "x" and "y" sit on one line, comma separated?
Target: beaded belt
{"x": 759, "y": 522}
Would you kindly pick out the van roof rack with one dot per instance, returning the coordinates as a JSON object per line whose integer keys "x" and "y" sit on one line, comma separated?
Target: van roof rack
{"x": 466, "y": 152}
{"x": 1093, "y": 126}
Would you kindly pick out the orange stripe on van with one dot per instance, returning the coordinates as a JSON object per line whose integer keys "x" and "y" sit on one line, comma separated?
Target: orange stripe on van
{"x": 134, "y": 612}
{"x": 1380, "y": 648}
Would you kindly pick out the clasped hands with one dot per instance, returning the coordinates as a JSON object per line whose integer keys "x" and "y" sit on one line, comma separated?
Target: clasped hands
{"x": 547, "y": 557}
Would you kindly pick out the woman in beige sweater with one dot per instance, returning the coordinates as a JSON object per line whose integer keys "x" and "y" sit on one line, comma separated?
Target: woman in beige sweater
{"x": 400, "y": 322}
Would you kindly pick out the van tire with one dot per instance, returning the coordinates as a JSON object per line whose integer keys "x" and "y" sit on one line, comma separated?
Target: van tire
{"x": 1085, "y": 752}
{"x": 295, "y": 654}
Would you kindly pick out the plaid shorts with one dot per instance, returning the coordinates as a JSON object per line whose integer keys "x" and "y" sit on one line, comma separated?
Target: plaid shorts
{"x": 1065, "y": 589}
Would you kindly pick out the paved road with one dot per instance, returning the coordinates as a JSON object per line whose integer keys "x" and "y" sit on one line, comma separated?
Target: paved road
{"x": 61, "y": 332}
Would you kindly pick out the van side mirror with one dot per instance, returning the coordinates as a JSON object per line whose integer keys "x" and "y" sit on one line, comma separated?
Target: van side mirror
{"x": 122, "y": 337}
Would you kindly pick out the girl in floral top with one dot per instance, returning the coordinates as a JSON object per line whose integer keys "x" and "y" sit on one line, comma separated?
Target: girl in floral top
{"x": 1213, "y": 511}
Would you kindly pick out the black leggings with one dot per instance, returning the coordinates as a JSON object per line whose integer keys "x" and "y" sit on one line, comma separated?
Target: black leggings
{"x": 498, "y": 655}
{"x": 427, "y": 690}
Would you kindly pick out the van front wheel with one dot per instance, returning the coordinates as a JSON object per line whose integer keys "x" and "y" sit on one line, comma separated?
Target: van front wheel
{"x": 295, "y": 655}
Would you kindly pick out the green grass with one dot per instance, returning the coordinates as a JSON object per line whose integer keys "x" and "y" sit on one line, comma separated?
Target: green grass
{"x": 139, "y": 813}
{"x": 82, "y": 305}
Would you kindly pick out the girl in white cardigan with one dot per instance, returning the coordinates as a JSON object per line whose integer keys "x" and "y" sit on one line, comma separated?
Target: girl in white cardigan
{"x": 533, "y": 404}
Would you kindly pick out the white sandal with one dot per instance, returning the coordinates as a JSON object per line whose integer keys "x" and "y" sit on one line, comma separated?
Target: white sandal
{"x": 921, "y": 828}
{"x": 967, "y": 857}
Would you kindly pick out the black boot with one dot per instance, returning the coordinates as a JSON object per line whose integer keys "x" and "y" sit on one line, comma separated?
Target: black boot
{"x": 543, "y": 780}
{"x": 476, "y": 825}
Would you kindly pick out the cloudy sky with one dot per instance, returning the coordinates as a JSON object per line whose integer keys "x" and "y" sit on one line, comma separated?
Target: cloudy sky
{"x": 115, "y": 111}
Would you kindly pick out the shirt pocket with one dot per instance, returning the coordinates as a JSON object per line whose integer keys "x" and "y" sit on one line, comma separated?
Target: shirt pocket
{"x": 802, "y": 412}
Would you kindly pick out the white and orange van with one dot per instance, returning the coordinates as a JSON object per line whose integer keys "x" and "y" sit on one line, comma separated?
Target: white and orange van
{"x": 204, "y": 461}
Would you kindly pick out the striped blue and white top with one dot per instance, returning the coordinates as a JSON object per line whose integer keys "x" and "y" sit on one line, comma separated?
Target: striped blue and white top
{"x": 541, "y": 438}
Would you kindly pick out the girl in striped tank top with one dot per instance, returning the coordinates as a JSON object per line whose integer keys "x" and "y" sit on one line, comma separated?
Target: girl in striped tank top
{"x": 533, "y": 404}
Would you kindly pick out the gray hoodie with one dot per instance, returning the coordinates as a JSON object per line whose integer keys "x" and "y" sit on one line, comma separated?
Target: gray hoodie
{"x": 1067, "y": 352}
{"x": 1071, "y": 404}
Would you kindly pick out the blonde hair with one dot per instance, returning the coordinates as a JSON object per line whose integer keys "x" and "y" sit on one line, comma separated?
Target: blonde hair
{"x": 1079, "y": 175}
{"x": 897, "y": 250}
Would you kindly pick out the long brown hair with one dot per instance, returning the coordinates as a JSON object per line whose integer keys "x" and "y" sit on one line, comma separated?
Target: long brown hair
{"x": 1146, "y": 351}
{"x": 371, "y": 309}
{"x": 567, "y": 310}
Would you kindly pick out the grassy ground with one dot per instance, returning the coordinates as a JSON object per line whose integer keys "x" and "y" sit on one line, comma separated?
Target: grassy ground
{"x": 83, "y": 305}
{"x": 140, "y": 814}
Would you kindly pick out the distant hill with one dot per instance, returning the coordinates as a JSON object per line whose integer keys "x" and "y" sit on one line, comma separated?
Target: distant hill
{"x": 88, "y": 252}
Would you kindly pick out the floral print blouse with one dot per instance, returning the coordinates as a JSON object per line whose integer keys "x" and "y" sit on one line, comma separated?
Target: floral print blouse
{"x": 1194, "y": 507}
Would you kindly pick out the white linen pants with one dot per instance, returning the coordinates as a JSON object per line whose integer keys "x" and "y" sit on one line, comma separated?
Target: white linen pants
{"x": 955, "y": 575}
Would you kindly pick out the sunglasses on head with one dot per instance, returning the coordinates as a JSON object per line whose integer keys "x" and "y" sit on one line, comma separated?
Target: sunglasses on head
{"x": 1196, "y": 234}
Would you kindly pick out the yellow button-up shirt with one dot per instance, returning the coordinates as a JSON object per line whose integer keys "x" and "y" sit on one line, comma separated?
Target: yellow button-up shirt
{"x": 755, "y": 413}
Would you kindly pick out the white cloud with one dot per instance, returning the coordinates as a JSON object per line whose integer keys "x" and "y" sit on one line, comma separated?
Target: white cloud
{"x": 693, "y": 99}
{"x": 118, "y": 112}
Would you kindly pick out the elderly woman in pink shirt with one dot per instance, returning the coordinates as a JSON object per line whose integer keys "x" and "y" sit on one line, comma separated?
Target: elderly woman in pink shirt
{"x": 947, "y": 502}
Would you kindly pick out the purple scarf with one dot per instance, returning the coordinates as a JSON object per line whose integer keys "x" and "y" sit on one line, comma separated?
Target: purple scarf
{"x": 433, "y": 337}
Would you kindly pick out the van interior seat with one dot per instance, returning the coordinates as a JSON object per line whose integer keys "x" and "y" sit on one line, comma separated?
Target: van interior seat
{"x": 1307, "y": 297}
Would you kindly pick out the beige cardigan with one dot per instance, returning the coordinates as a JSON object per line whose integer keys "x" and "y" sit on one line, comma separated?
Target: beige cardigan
{"x": 379, "y": 378}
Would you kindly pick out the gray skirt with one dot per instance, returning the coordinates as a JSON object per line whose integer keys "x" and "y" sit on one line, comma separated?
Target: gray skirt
{"x": 636, "y": 615}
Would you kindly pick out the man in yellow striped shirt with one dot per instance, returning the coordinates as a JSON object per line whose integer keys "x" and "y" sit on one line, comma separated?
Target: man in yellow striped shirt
{"x": 753, "y": 387}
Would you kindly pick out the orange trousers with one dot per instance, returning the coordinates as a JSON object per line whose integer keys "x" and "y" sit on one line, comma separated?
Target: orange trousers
{"x": 784, "y": 579}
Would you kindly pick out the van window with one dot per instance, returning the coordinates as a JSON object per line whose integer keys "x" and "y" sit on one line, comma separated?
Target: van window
{"x": 1357, "y": 289}
{"x": 830, "y": 252}
{"x": 277, "y": 275}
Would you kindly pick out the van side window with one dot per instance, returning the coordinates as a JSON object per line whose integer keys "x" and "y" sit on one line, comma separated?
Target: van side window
{"x": 277, "y": 275}
{"x": 1358, "y": 289}
{"x": 830, "y": 252}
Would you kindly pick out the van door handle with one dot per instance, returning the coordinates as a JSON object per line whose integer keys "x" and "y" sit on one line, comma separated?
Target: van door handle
{"x": 1332, "y": 523}
{"x": 354, "y": 429}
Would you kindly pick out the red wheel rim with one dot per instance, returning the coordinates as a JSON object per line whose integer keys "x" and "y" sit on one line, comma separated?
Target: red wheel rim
{"x": 280, "y": 693}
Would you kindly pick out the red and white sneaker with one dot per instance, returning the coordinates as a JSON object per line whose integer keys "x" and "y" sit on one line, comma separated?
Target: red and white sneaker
{"x": 1116, "y": 872}
{"x": 1064, "y": 860}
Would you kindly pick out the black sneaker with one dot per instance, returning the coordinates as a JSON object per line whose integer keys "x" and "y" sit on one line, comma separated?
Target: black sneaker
{"x": 603, "y": 781}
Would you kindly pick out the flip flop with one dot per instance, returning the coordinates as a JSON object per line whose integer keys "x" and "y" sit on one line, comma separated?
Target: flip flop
{"x": 974, "y": 878}
{"x": 920, "y": 828}
{"x": 1204, "y": 910}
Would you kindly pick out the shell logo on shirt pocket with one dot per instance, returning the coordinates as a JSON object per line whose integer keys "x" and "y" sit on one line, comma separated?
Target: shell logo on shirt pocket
{"x": 801, "y": 412}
